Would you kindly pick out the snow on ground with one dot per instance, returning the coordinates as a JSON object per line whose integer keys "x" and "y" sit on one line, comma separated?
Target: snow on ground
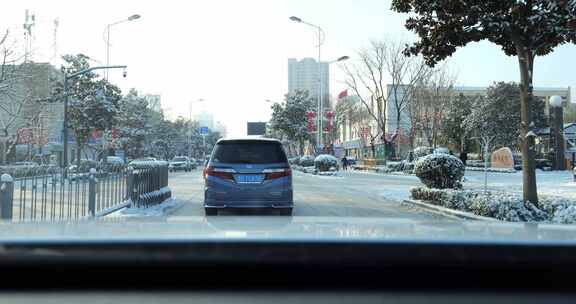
{"x": 550, "y": 183}
{"x": 153, "y": 211}
{"x": 396, "y": 193}
{"x": 322, "y": 175}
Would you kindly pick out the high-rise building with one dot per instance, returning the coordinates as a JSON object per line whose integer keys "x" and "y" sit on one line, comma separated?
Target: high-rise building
{"x": 304, "y": 75}
{"x": 154, "y": 102}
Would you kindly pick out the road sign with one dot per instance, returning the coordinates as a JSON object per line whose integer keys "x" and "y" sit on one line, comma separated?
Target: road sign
{"x": 256, "y": 128}
{"x": 204, "y": 130}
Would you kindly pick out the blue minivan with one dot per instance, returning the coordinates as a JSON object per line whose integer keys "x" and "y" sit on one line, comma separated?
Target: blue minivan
{"x": 248, "y": 173}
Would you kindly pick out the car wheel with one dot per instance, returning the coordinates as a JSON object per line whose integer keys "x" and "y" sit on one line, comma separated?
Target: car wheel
{"x": 286, "y": 212}
{"x": 211, "y": 211}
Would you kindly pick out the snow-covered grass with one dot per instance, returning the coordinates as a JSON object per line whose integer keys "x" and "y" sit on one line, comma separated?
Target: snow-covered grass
{"x": 151, "y": 211}
{"x": 550, "y": 183}
{"x": 506, "y": 206}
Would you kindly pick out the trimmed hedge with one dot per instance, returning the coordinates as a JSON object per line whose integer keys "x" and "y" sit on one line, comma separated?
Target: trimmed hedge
{"x": 440, "y": 171}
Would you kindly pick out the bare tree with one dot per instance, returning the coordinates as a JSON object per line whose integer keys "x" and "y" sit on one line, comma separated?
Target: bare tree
{"x": 405, "y": 73}
{"x": 429, "y": 98}
{"x": 367, "y": 79}
{"x": 18, "y": 110}
{"x": 384, "y": 77}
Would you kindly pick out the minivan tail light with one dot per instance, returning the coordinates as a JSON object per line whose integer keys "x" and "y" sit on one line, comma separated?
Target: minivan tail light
{"x": 277, "y": 173}
{"x": 223, "y": 173}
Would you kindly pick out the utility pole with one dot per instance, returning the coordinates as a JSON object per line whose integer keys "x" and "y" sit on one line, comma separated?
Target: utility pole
{"x": 29, "y": 22}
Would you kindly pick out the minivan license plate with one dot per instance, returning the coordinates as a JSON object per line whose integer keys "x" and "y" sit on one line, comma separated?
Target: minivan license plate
{"x": 249, "y": 178}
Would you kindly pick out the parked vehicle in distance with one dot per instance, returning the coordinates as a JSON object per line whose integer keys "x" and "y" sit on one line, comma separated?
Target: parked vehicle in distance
{"x": 142, "y": 159}
{"x": 248, "y": 173}
{"x": 181, "y": 163}
{"x": 25, "y": 164}
{"x": 116, "y": 160}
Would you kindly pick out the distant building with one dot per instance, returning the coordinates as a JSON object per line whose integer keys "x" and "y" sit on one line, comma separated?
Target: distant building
{"x": 29, "y": 113}
{"x": 304, "y": 75}
{"x": 220, "y": 128}
{"x": 154, "y": 102}
{"x": 205, "y": 119}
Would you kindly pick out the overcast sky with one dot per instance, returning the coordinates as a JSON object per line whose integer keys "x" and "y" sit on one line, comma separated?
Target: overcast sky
{"x": 233, "y": 54}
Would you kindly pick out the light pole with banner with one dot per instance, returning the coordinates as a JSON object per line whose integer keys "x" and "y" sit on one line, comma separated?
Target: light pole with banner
{"x": 204, "y": 131}
{"x": 192, "y": 124}
{"x": 557, "y": 132}
{"x": 321, "y": 37}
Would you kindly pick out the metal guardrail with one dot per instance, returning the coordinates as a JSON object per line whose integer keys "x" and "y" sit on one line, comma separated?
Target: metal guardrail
{"x": 52, "y": 194}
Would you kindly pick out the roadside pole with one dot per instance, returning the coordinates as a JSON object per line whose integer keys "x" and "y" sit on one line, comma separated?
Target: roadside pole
{"x": 204, "y": 147}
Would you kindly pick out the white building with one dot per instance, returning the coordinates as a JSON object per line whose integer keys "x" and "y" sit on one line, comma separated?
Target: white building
{"x": 154, "y": 102}
{"x": 398, "y": 96}
{"x": 304, "y": 75}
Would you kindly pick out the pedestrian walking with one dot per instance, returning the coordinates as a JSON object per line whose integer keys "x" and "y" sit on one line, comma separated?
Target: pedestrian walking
{"x": 464, "y": 157}
{"x": 344, "y": 163}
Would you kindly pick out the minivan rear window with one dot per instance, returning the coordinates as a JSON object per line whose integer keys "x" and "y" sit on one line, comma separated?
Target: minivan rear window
{"x": 249, "y": 152}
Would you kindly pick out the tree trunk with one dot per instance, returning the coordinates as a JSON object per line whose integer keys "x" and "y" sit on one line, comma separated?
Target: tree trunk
{"x": 78, "y": 152}
{"x": 301, "y": 146}
{"x": 397, "y": 143}
{"x": 530, "y": 192}
{"x": 3, "y": 151}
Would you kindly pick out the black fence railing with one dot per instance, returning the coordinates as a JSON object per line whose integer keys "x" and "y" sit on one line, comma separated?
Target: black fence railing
{"x": 48, "y": 193}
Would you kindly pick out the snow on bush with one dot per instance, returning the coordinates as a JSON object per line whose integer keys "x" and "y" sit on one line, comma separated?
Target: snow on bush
{"x": 440, "y": 171}
{"x": 403, "y": 166}
{"x": 294, "y": 160}
{"x": 306, "y": 161}
{"x": 422, "y": 151}
{"x": 500, "y": 205}
{"x": 442, "y": 150}
{"x": 324, "y": 162}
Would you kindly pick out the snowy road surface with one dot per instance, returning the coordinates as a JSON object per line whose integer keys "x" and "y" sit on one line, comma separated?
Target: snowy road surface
{"x": 354, "y": 194}
{"x": 359, "y": 193}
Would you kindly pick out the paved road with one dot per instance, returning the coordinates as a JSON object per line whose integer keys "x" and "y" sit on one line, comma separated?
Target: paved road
{"x": 352, "y": 195}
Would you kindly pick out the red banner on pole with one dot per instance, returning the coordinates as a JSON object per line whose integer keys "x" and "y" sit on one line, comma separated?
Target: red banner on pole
{"x": 310, "y": 123}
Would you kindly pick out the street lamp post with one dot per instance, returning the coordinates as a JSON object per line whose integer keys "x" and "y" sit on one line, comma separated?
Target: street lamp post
{"x": 191, "y": 124}
{"x": 558, "y": 131}
{"x": 67, "y": 78}
{"x": 320, "y": 104}
{"x": 131, "y": 18}
{"x": 340, "y": 59}
{"x": 320, "y": 111}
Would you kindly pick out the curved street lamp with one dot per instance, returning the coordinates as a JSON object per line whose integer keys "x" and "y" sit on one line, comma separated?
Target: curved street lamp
{"x": 321, "y": 37}
{"x": 131, "y": 18}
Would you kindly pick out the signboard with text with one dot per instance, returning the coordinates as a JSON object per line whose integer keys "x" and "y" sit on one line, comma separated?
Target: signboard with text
{"x": 256, "y": 128}
{"x": 204, "y": 130}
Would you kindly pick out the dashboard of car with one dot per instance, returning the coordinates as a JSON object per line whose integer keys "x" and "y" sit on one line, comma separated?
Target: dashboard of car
{"x": 284, "y": 271}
